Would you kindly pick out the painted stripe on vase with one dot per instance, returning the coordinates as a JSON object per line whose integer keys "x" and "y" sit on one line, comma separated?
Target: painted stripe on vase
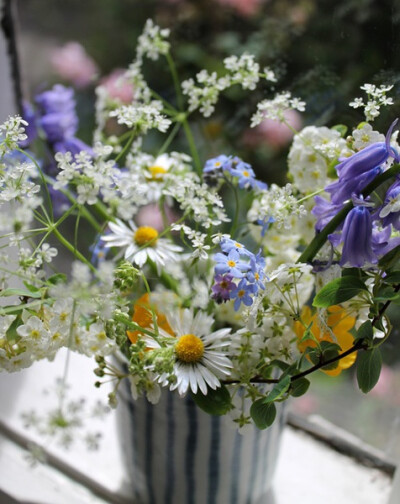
{"x": 251, "y": 490}
{"x": 191, "y": 444}
{"x": 235, "y": 468}
{"x": 214, "y": 460}
{"x": 149, "y": 451}
{"x": 169, "y": 452}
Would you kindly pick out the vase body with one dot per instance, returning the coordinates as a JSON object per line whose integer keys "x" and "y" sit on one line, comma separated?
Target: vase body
{"x": 177, "y": 454}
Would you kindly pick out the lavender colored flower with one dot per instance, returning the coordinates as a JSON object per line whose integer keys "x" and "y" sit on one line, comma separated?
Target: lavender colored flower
{"x": 367, "y": 159}
{"x": 243, "y": 294}
{"x": 59, "y": 99}
{"x": 357, "y": 238}
{"x": 324, "y": 211}
{"x": 73, "y": 145}
{"x": 230, "y": 264}
{"x": 390, "y": 210}
{"x": 343, "y": 189}
{"x": 58, "y": 126}
{"x": 222, "y": 288}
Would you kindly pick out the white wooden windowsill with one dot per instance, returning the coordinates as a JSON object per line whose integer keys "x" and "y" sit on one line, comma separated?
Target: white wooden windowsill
{"x": 309, "y": 470}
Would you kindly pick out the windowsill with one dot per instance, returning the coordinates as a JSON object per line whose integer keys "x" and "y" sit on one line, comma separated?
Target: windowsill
{"x": 318, "y": 462}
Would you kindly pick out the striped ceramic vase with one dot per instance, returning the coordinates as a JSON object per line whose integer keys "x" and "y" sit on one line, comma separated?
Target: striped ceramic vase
{"x": 177, "y": 454}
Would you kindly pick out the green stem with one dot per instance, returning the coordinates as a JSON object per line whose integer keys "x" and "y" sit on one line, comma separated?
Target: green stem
{"x": 73, "y": 250}
{"x": 192, "y": 146}
{"x": 126, "y": 146}
{"x": 170, "y": 138}
{"x": 319, "y": 240}
{"x": 175, "y": 78}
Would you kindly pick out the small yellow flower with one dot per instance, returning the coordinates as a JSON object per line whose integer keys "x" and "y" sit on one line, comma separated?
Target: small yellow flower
{"x": 339, "y": 323}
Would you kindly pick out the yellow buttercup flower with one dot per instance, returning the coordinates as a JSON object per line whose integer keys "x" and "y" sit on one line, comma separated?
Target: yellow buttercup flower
{"x": 339, "y": 323}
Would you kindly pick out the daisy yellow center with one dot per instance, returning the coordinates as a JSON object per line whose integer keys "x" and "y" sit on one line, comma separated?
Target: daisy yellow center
{"x": 189, "y": 348}
{"x": 145, "y": 235}
{"x": 156, "y": 172}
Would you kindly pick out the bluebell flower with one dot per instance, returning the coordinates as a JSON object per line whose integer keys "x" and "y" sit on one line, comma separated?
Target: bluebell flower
{"x": 59, "y": 99}
{"x": 231, "y": 264}
{"x": 59, "y": 126}
{"x": 382, "y": 243}
{"x": 243, "y": 294}
{"x": 342, "y": 190}
{"x": 324, "y": 211}
{"x": 357, "y": 238}
{"x": 367, "y": 159}
{"x": 389, "y": 212}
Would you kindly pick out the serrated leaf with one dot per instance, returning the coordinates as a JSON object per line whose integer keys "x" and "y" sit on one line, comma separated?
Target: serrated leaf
{"x": 279, "y": 390}
{"x": 338, "y": 290}
{"x": 215, "y": 402}
{"x": 262, "y": 413}
{"x": 299, "y": 387}
{"x": 369, "y": 365}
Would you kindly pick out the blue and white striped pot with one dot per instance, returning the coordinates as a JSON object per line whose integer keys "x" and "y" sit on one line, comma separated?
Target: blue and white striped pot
{"x": 177, "y": 454}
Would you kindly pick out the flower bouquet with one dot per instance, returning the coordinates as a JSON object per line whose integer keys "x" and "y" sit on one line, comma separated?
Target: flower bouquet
{"x": 208, "y": 282}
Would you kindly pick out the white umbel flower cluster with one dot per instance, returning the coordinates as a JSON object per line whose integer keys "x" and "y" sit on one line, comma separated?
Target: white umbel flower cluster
{"x": 274, "y": 109}
{"x": 12, "y": 132}
{"x": 142, "y": 117}
{"x": 152, "y": 42}
{"x": 376, "y": 98}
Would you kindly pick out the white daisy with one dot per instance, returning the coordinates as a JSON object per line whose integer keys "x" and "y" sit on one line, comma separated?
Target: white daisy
{"x": 141, "y": 243}
{"x": 200, "y": 361}
{"x": 155, "y": 173}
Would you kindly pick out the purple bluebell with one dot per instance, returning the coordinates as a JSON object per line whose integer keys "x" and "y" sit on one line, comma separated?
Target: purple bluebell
{"x": 59, "y": 126}
{"x": 357, "y": 238}
{"x": 386, "y": 213}
{"x": 343, "y": 189}
{"x": 243, "y": 294}
{"x": 59, "y": 99}
{"x": 222, "y": 288}
{"x": 231, "y": 264}
{"x": 382, "y": 243}
{"x": 367, "y": 159}
{"x": 324, "y": 211}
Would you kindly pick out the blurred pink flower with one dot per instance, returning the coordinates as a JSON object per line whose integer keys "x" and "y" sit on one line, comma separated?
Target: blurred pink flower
{"x": 385, "y": 386}
{"x": 274, "y": 133}
{"x": 73, "y": 64}
{"x": 118, "y": 87}
{"x": 150, "y": 215}
{"x": 245, "y": 7}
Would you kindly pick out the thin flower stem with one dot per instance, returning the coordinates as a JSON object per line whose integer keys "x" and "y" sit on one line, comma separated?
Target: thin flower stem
{"x": 170, "y": 138}
{"x": 126, "y": 146}
{"x": 192, "y": 146}
{"x": 175, "y": 78}
{"x": 73, "y": 250}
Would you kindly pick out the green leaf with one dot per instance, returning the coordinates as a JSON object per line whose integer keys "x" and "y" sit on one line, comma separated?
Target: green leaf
{"x": 392, "y": 277}
{"x": 389, "y": 259}
{"x": 338, "y": 290}
{"x": 341, "y": 128}
{"x": 215, "y": 402}
{"x": 262, "y": 413}
{"x": 365, "y": 331}
{"x": 21, "y": 293}
{"x": 279, "y": 390}
{"x": 57, "y": 278}
{"x": 299, "y": 387}
{"x": 329, "y": 351}
{"x": 369, "y": 365}
{"x": 387, "y": 294}
{"x": 11, "y": 333}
